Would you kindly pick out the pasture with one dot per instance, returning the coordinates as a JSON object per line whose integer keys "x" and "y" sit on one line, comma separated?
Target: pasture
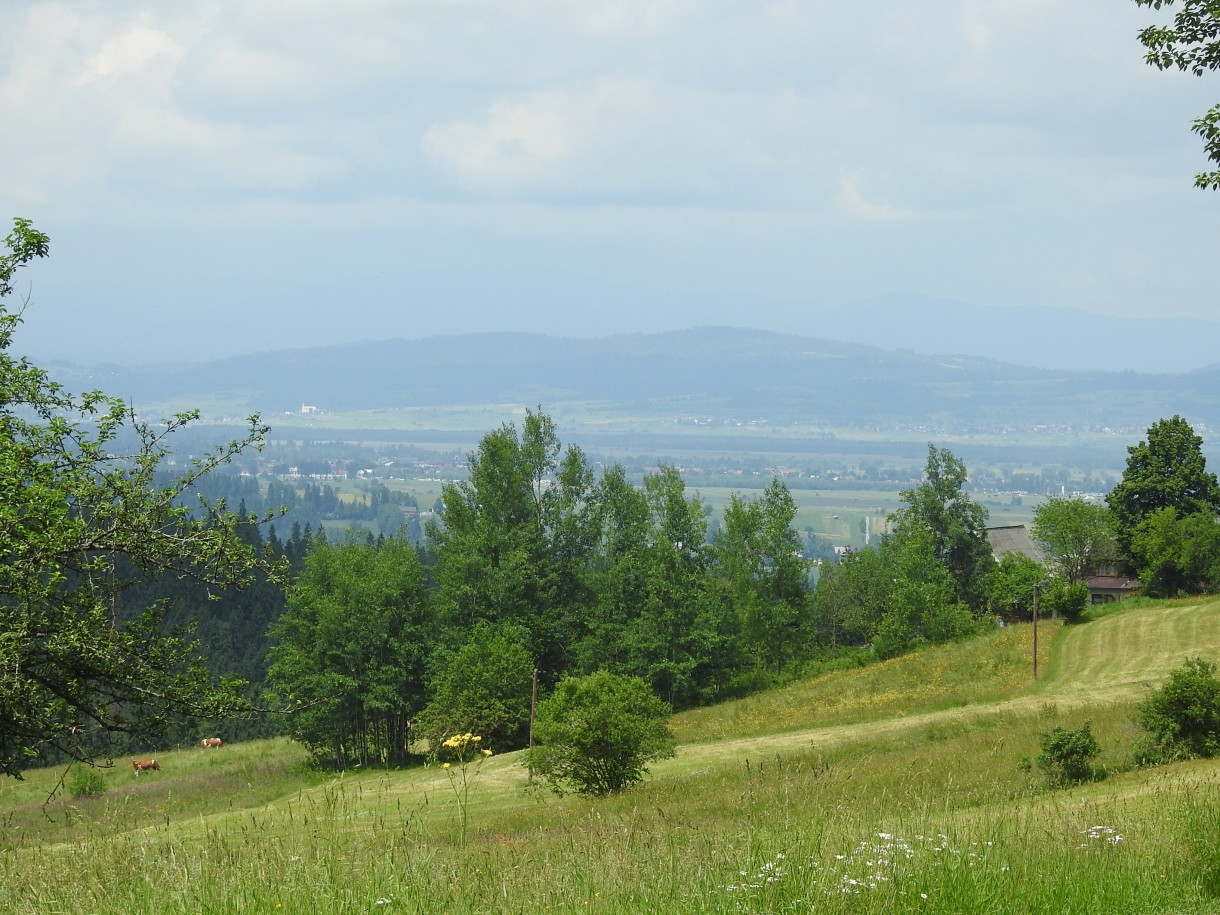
{"x": 889, "y": 788}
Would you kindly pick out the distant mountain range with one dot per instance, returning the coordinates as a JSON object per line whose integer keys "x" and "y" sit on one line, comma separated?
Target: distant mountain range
{"x": 1049, "y": 338}
{"x": 709, "y": 371}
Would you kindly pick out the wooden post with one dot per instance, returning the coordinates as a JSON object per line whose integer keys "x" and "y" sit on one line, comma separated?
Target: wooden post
{"x": 1035, "y": 631}
{"x": 533, "y": 713}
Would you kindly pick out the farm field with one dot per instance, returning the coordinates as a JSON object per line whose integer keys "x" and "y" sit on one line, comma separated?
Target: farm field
{"x": 839, "y": 515}
{"x": 889, "y": 788}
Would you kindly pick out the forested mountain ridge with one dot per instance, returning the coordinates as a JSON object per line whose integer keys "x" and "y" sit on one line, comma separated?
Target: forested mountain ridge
{"x": 708, "y": 370}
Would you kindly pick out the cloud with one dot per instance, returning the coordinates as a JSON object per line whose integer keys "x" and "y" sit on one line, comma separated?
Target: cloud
{"x": 850, "y": 201}
{"x": 133, "y": 52}
{"x": 543, "y": 141}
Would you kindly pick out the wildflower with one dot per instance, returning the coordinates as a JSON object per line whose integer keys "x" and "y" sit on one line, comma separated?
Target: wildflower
{"x": 1106, "y": 834}
{"x": 445, "y": 766}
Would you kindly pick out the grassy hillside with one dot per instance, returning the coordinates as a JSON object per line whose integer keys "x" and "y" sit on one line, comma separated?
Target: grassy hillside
{"x": 889, "y": 788}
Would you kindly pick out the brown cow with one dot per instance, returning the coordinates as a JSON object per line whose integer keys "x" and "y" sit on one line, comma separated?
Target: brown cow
{"x": 145, "y": 765}
{"x": 211, "y": 743}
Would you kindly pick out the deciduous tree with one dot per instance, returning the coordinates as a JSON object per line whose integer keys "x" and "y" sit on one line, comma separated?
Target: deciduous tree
{"x": 1076, "y": 534}
{"x": 1013, "y": 583}
{"x": 1167, "y": 470}
{"x": 758, "y": 561}
{"x": 957, "y": 525}
{"x": 482, "y": 688}
{"x": 350, "y": 650}
{"x": 513, "y": 541}
{"x": 80, "y": 491}
{"x": 1191, "y": 44}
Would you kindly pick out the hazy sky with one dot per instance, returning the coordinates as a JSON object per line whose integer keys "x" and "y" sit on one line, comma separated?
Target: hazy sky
{"x": 231, "y": 176}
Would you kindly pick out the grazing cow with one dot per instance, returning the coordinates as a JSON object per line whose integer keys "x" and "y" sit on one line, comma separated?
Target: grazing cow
{"x": 145, "y": 765}
{"x": 211, "y": 743}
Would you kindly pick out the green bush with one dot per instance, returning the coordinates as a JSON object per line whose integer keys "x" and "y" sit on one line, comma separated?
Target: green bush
{"x": 1182, "y": 718}
{"x": 482, "y": 688}
{"x": 1067, "y": 756}
{"x": 1067, "y": 602}
{"x": 86, "y": 781}
{"x": 596, "y": 734}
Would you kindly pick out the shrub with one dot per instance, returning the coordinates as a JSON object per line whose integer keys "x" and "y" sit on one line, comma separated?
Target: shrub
{"x": 596, "y": 734}
{"x": 86, "y": 781}
{"x": 482, "y": 688}
{"x": 1067, "y": 602}
{"x": 1182, "y": 718}
{"x": 1067, "y": 756}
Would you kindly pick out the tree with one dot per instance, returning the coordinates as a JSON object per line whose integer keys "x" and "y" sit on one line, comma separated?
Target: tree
{"x": 618, "y": 574}
{"x": 680, "y": 636}
{"x": 1077, "y": 535}
{"x": 757, "y": 556}
{"x": 850, "y": 598}
{"x": 1066, "y": 601}
{"x": 957, "y": 524}
{"x": 921, "y": 605}
{"x": 597, "y": 734}
{"x": 80, "y": 500}
{"x": 483, "y": 688}
{"x": 350, "y": 650}
{"x": 513, "y": 540}
{"x": 1191, "y": 44}
{"x": 1178, "y": 555}
{"x": 1013, "y": 584}
{"x": 1166, "y": 471}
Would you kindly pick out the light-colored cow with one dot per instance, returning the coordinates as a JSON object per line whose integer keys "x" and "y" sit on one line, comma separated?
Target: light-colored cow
{"x": 211, "y": 743}
{"x": 145, "y": 765}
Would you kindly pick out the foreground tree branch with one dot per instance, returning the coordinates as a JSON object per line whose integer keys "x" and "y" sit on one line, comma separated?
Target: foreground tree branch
{"x": 79, "y": 501}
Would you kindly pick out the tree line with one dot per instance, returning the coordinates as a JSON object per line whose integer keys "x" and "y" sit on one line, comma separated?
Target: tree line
{"x": 538, "y": 568}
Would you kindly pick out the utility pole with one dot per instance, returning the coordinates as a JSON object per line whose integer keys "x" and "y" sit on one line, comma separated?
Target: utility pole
{"x": 1035, "y": 631}
{"x": 533, "y": 706}
{"x": 533, "y": 714}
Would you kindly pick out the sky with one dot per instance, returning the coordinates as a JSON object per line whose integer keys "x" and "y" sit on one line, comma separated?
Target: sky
{"x": 240, "y": 176}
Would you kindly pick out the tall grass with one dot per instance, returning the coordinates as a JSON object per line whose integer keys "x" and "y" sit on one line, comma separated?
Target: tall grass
{"x": 922, "y": 809}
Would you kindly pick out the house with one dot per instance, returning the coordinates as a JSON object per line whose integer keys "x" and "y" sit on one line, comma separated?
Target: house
{"x": 1014, "y": 538}
{"x": 1105, "y": 586}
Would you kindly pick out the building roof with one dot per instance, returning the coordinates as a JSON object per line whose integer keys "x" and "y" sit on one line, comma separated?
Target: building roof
{"x": 1111, "y": 583}
{"x": 1014, "y": 538}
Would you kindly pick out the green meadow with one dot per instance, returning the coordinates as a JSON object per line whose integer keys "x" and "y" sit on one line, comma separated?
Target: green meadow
{"x": 895, "y": 787}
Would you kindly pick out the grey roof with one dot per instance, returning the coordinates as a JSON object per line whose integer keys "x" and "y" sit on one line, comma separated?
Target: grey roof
{"x": 1014, "y": 538}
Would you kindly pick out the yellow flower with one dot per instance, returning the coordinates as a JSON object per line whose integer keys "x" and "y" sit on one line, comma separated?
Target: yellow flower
{"x": 445, "y": 766}
{"x": 486, "y": 752}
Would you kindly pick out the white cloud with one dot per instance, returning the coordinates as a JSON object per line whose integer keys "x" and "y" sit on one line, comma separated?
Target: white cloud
{"x": 543, "y": 141}
{"x": 851, "y": 202}
{"x": 136, "y": 52}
